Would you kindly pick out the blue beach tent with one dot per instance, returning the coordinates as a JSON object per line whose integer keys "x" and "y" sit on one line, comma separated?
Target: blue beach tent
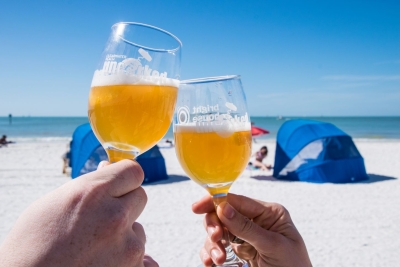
{"x": 86, "y": 153}
{"x": 316, "y": 152}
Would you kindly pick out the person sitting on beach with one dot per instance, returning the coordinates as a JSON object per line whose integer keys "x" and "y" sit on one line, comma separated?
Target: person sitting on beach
{"x": 66, "y": 157}
{"x": 4, "y": 142}
{"x": 259, "y": 157}
{"x": 169, "y": 142}
{"x": 91, "y": 221}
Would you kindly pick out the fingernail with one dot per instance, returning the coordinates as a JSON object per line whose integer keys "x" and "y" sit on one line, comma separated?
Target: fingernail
{"x": 210, "y": 230}
{"x": 101, "y": 165}
{"x": 228, "y": 211}
{"x": 215, "y": 254}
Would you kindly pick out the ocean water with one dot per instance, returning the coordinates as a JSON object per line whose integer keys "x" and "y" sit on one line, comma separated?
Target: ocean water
{"x": 40, "y": 127}
{"x": 63, "y": 127}
{"x": 357, "y": 127}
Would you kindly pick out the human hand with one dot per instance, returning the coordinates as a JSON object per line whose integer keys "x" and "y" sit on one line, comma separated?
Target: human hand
{"x": 89, "y": 221}
{"x": 271, "y": 239}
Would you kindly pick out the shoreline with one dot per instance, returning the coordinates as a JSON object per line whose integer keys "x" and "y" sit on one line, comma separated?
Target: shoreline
{"x": 69, "y": 138}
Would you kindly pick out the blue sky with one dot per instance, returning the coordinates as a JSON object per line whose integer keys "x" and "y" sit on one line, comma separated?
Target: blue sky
{"x": 296, "y": 58}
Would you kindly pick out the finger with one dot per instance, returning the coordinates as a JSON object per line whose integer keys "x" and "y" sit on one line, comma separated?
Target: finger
{"x": 215, "y": 250}
{"x": 139, "y": 232}
{"x": 205, "y": 258}
{"x": 148, "y": 261}
{"x": 119, "y": 178}
{"x": 264, "y": 214}
{"x": 247, "y": 206}
{"x": 204, "y": 205}
{"x": 213, "y": 227}
{"x": 244, "y": 251}
{"x": 103, "y": 164}
{"x": 134, "y": 203}
{"x": 244, "y": 228}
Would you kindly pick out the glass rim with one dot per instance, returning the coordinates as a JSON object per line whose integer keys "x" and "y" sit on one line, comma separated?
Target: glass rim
{"x": 210, "y": 79}
{"x": 152, "y": 27}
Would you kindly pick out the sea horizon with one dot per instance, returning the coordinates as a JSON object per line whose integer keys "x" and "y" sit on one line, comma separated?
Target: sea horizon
{"x": 55, "y": 127}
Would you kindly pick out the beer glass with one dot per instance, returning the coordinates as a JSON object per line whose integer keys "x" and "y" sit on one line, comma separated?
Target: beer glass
{"x": 212, "y": 133}
{"x": 134, "y": 89}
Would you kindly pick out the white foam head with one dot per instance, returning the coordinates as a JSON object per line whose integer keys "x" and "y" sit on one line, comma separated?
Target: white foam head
{"x": 225, "y": 129}
{"x": 102, "y": 79}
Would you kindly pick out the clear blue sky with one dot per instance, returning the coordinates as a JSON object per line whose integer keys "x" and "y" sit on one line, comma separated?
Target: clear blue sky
{"x": 295, "y": 57}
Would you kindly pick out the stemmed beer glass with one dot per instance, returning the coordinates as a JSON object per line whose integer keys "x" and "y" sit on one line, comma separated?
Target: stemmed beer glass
{"x": 134, "y": 89}
{"x": 212, "y": 132}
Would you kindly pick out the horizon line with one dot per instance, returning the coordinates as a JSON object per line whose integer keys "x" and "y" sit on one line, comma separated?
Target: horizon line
{"x": 268, "y": 116}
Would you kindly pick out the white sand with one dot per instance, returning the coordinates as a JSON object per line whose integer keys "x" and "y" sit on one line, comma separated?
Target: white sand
{"x": 342, "y": 224}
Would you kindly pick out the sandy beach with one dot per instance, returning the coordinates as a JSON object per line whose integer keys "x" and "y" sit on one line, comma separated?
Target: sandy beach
{"x": 342, "y": 224}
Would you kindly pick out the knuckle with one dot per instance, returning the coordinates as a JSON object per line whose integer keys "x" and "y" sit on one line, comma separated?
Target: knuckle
{"x": 246, "y": 226}
{"x": 134, "y": 170}
{"x": 135, "y": 249}
{"x": 244, "y": 251}
{"x": 88, "y": 195}
{"x": 129, "y": 169}
{"x": 280, "y": 210}
{"x": 140, "y": 196}
{"x": 119, "y": 217}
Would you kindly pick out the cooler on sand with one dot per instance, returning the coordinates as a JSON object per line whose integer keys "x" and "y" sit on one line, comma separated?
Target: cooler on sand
{"x": 317, "y": 152}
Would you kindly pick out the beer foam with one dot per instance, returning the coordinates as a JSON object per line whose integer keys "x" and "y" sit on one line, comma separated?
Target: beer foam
{"x": 225, "y": 129}
{"x": 101, "y": 79}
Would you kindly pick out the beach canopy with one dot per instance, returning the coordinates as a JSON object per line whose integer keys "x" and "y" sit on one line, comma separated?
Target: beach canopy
{"x": 317, "y": 152}
{"x": 257, "y": 131}
{"x": 86, "y": 153}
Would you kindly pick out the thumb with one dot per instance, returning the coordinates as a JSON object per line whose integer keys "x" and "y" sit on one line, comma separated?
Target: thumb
{"x": 242, "y": 227}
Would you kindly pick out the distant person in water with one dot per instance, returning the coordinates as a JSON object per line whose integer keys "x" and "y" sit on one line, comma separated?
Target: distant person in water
{"x": 4, "y": 142}
{"x": 169, "y": 142}
{"x": 259, "y": 157}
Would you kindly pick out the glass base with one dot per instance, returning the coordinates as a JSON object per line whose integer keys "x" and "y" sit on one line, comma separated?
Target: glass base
{"x": 232, "y": 260}
{"x": 233, "y": 263}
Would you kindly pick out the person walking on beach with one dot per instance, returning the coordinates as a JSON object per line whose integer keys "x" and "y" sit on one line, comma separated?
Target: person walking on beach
{"x": 91, "y": 221}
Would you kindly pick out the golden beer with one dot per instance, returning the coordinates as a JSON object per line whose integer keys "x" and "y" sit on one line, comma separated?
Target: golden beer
{"x": 212, "y": 160}
{"x": 130, "y": 118}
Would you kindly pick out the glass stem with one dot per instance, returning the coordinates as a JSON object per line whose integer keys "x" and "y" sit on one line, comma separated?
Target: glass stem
{"x": 231, "y": 258}
{"x": 115, "y": 155}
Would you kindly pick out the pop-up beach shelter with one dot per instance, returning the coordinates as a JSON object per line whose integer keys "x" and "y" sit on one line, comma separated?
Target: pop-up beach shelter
{"x": 317, "y": 152}
{"x": 87, "y": 152}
